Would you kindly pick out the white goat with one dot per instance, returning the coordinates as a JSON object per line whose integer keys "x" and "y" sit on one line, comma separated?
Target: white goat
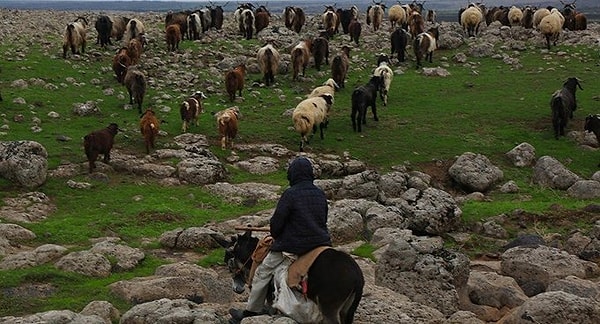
{"x": 310, "y": 114}
{"x": 387, "y": 75}
{"x": 74, "y": 36}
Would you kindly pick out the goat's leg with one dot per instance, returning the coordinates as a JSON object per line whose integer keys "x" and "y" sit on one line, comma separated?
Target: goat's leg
{"x": 374, "y": 110}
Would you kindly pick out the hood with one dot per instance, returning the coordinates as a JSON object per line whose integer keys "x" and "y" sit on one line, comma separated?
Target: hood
{"x": 300, "y": 170}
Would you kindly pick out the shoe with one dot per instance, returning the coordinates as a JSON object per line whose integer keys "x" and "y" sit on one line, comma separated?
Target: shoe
{"x": 237, "y": 315}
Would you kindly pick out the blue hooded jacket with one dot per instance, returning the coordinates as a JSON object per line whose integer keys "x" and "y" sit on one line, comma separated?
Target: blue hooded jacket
{"x": 299, "y": 223}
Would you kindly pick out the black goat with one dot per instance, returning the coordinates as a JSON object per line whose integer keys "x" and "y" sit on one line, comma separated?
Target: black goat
{"x": 592, "y": 124}
{"x": 363, "y": 97}
{"x": 399, "y": 40}
{"x": 104, "y": 27}
{"x": 563, "y": 104}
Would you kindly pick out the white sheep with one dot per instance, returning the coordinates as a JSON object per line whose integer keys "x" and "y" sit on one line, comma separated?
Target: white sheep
{"x": 386, "y": 73}
{"x": 538, "y": 15}
{"x": 74, "y": 36}
{"x": 397, "y": 16}
{"x": 470, "y": 20}
{"x": 310, "y": 114}
{"x": 329, "y": 87}
{"x": 551, "y": 26}
{"x": 515, "y": 15}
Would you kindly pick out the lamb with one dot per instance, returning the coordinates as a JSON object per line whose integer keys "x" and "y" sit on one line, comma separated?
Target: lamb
{"x": 551, "y": 26}
{"x": 363, "y": 97}
{"x": 300, "y": 57}
{"x": 99, "y": 142}
{"x": 173, "y": 36}
{"x": 121, "y": 61}
{"x": 228, "y": 124}
{"x": 74, "y": 36}
{"x": 135, "y": 82}
{"x": 330, "y": 86}
{"x": 385, "y": 72}
{"x": 471, "y": 19}
{"x": 149, "y": 126}
{"x": 191, "y": 109}
{"x": 563, "y": 104}
{"x": 268, "y": 60}
{"x": 234, "y": 81}
{"x": 310, "y": 114}
{"x": 340, "y": 65}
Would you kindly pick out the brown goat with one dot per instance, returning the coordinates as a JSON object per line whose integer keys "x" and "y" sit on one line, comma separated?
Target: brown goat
{"x": 300, "y": 58}
{"x": 416, "y": 24}
{"x": 234, "y": 81}
{"x": 340, "y": 65}
{"x": 121, "y": 62}
{"x": 134, "y": 50}
{"x": 173, "y": 36}
{"x": 118, "y": 27}
{"x": 320, "y": 51}
{"x": 180, "y": 19}
{"x": 74, "y": 37}
{"x": 261, "y": 21}
{"x": 135, "y": 82}
{"x": 227, "y": 123}
{"x": 294, "y": 18}
{"x": 99, "y": 142}
{"x": 355, "y": 29}
{"x": 149, "y": 126}
{"x": 191, "y": 109}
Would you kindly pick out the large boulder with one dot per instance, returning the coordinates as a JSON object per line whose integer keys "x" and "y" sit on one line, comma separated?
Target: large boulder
{"x": 177, "y": 311}
{"x": 475, "y": 172}
{"x": 86, "y": 263}
{"x": 27, "y": 259}
{"x": 549, "y": 172}
{"x": 585, "y": 189}
{"x": 430, "y": 211}
{"x": 24, "y": 163}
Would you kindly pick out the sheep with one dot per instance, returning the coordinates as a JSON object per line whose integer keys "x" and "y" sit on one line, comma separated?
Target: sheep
{"x": 397, "y": 16}
{"x": 99, "y": 142}
{"x": 387, "y": 75}
{"x": 425, "y": 44}
{"x": 135, "y": 82}
{"x": 177, "y": 18}
{"x": 191, "y": 109}
{"x": 194, "y": 26}
{"x": 261, "y": 20}
{"x": 118, "y": 27}
{"x": 563, "y": 104}
{"x": 399, "y": 40}
{"x": 74, "y": 36}
{"x": 133, "y": 29}
{"x": 470, "y": 20}
{"x": 538, "y": 15}
{"x": 340, "y": 65}
{"x": 363, "y": 97}
{"x": 300, "y": 58}
{"x": 416, "y": 24}
{"x": 320, "y": 51}
{"x": 228, "y": 124}
{"x": 234, "y": 81}
{"x": 330, "y": 87}
{"x": 268, "y": 60}
{"x": 310, "y": 114}
{"x": 121, "y": 62}
{"x": 515, "y": 16}
{"x": 375, "y": 14}
{"x": 103, "y": 26}
{"x": 173, "y": 36}
{"x": 149, "y": 126}
{"x": 355, "y": 30}
{"x": 551, "y": 26}
{"x": 330, "y": 20}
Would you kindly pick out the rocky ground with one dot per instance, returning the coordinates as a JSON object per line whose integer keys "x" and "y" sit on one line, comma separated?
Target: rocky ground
{"x": 548, "y": 279}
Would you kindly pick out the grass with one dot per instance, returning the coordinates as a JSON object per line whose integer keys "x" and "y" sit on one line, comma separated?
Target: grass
{"x": 484, "y": 107}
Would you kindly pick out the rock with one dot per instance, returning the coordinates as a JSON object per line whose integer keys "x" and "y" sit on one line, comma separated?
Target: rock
{"x": 522, "y": 155}
{"x": 53, "y": 316}
{"x": 102, "y": 309}
{"x": 27, "y": 207}
{"x": 24, "y": 163}
{"x": 548, "y": 172}
{"x": 431, "y": 211}
{"x": 27, "y": 259}
{"x": 475, "y": 172}
{"x": 86, "y": 263}
{"x": 178, "y": 311}
{"x": 585, "y": 189}
{"x": 190, "y": 238}
{"x": 127, "y": 257}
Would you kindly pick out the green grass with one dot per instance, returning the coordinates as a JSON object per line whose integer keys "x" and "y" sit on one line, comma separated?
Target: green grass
{"x": 488, "y": 109}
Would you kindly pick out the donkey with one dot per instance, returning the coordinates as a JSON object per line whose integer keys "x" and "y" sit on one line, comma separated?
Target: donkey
{"x": 335, "y": 281}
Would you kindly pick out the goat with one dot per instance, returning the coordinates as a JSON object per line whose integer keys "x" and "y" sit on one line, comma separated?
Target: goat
{"x": 340, "y": 65}
{"x": 592, "y": 124}
{"x": 399, "y": 40}
{"x": 551, "y": 26}
{"x": 515, "y": 16}
{"x": 573, "y": 20}
{"x": 149, "y": 126}
{"x": 425, "y": 44}
{"x": 375, "y": 14}
{"x": 527, "y": 21}
{"x": 431, "y": 16}
{"x": 173, "y": 36}
{"x": 205, "y": 19}
{"x": 345, "y": 16}
{"x": 119, "y": 24}
{"x": 268, "y": 60}
{"x": 103, "y": 27}
{"x": 134, "y": 50}
{"x": 134, "y": 29}
{"x": 416, "y": 24}
{"x": 194, "y": 26}
{"x": 355, "y": 30}
{"x": 74, "y": 36}
{"x": 320, "y": 51}
{"x": 330, "y": 86}
{"x": 239, "y": 17}
{"x": 398, "y": 16}
{"x": 363, "y": 97}
{"x": 135, "y": 82}
{"x": 228, "y": 124}
{"x": 261, "y": 20}
{"x": 310, "y": 114}
{"x": 387, "y": 75}
{"x": 99, "y": 142}
{"x": 234, "y": 81}
{"x": 216, "y": 15}
{"x": 300, "y": 58}
{"x": 121, "y": 62}
{"x": 180, "y": 19}
{"x": 247, "y": 23}
{"x": 191, "y": 109}
{"x": 294, "y": 18}
{"x": 471, "y": 19}
{"x": 330, "y": 21}
{"x": 563, "y": 104}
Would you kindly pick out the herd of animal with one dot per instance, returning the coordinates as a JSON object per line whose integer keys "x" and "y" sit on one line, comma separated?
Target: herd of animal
{"x": 407, "y": 25}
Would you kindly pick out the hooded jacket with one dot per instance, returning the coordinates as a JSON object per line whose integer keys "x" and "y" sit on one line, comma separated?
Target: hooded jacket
{"x": 299, "y": 223}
